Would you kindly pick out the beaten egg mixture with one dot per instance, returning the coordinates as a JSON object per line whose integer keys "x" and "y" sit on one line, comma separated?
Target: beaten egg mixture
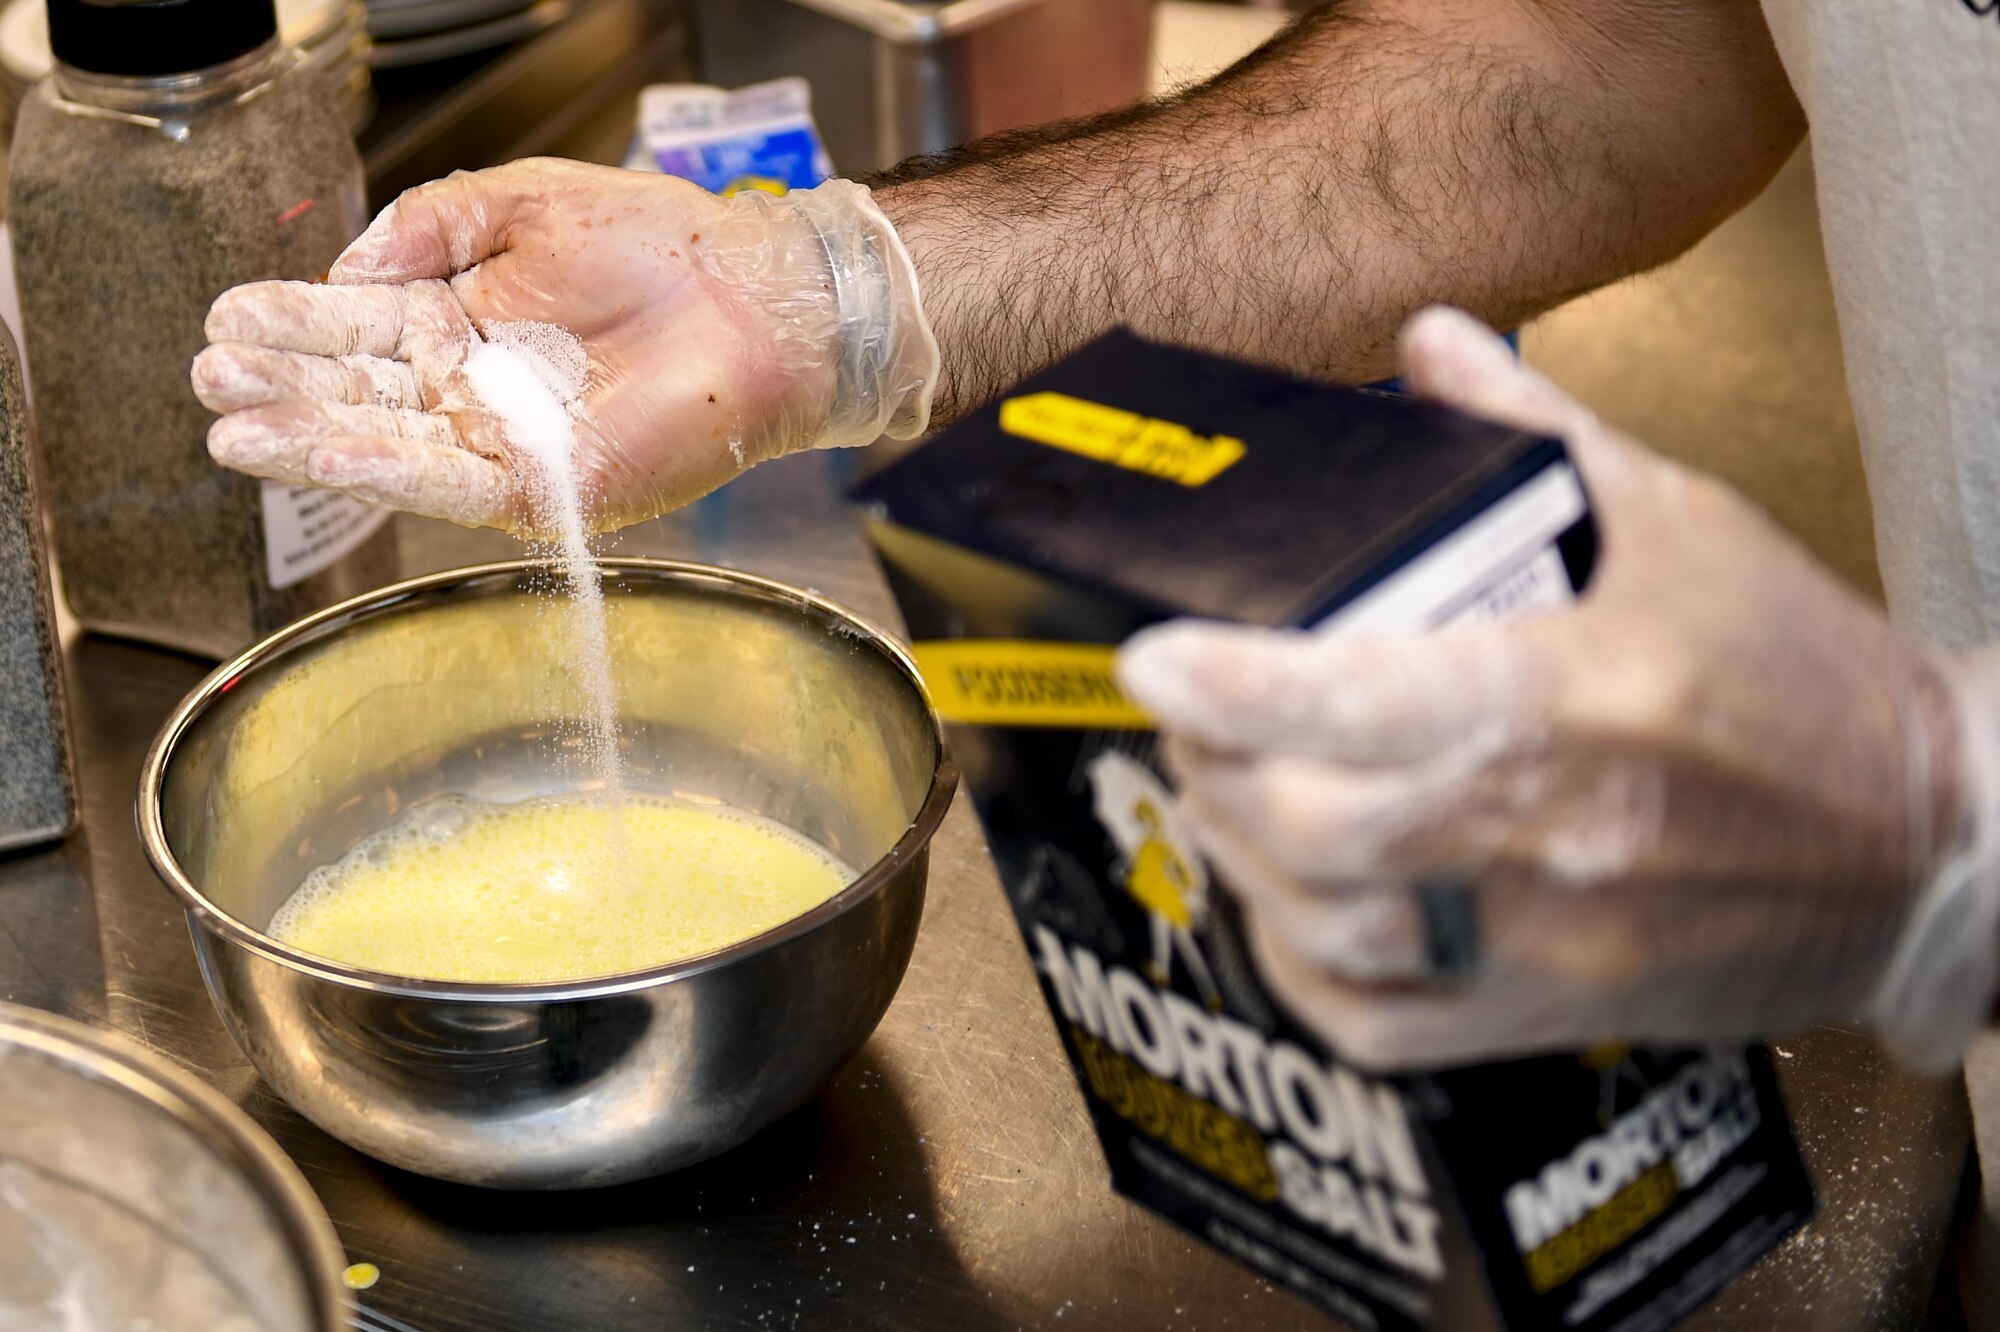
{"x": 556, "y": 889}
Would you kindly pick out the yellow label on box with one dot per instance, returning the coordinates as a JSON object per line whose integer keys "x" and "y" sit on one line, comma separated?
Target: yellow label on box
{"x": 997, "y": 682}
{"x": 1125, "y": 439}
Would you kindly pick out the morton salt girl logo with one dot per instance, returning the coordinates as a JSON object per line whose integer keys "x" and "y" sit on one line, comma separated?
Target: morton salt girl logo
{"x": 1158, "y": 866}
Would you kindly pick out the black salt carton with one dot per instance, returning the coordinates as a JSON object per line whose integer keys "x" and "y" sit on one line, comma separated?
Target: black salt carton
{"x": 1133, "y": 482}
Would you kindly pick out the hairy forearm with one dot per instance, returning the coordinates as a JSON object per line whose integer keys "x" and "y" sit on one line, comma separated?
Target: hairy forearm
{"x": 1378, "y": 156}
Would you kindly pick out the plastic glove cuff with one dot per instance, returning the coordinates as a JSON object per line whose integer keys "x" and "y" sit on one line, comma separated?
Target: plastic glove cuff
{"x": 888, "y": 355}
{"x": 1938, "y": 989}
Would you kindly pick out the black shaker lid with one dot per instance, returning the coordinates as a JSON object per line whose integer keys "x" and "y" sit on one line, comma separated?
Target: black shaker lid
{"x": 151, "y": 38}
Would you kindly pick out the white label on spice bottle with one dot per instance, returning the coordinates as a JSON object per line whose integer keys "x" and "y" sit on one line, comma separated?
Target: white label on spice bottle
{"x": 305, "y": 530}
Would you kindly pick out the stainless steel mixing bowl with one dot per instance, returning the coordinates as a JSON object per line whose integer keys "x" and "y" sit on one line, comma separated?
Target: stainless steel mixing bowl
{"x": 131, "y": 1195}
{"x": 732, "y": 689}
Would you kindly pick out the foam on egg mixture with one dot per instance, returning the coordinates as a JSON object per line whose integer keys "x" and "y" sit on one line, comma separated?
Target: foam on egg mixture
{"x": 468, "y": 891}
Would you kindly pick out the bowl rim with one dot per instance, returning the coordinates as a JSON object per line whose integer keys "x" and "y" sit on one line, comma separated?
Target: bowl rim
{"x": 113, "y": 1057}
{"x": 208, "y": 916}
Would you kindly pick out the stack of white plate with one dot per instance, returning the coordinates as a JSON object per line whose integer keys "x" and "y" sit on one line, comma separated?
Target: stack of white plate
{"x": 332, "y": 33}
{"x": 417, "y": 32}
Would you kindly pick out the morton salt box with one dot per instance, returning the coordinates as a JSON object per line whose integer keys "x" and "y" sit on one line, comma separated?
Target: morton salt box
{"x": 1610, "y": 1192}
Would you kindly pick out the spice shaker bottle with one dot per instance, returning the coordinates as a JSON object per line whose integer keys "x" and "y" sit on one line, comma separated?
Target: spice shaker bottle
{"x": 177, "y": 148}
{"x": 37, "y": 782}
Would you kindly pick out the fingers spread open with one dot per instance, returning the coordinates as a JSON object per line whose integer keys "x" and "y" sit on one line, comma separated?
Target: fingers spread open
{"x": 230, "y": 376}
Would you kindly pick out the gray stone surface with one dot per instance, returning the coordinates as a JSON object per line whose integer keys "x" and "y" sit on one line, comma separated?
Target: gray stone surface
{"x": 37, "y": 791}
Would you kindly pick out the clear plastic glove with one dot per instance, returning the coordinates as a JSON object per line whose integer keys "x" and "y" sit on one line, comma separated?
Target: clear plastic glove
{"x": 721, "y": 333}
{"x": 1717, "y": 798}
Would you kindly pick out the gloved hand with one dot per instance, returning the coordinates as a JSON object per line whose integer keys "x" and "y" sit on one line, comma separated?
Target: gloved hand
{"x": 1717, "y": 798}
{"x": 721, "y": 332}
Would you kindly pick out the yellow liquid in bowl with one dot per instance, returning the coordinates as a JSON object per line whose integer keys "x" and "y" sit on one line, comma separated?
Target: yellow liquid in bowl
{"x": 555, "y": 889}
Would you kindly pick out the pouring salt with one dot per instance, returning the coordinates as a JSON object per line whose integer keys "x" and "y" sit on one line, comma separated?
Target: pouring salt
{"x": 531, "y": 376}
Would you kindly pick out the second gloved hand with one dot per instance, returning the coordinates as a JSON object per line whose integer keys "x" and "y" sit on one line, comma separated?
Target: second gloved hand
{"x": 720, "y": 333}
{"x": 1717, "y": 798}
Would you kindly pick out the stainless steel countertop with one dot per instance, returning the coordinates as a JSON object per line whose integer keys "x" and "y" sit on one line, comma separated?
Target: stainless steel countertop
{"x": 947, "y": 1178}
